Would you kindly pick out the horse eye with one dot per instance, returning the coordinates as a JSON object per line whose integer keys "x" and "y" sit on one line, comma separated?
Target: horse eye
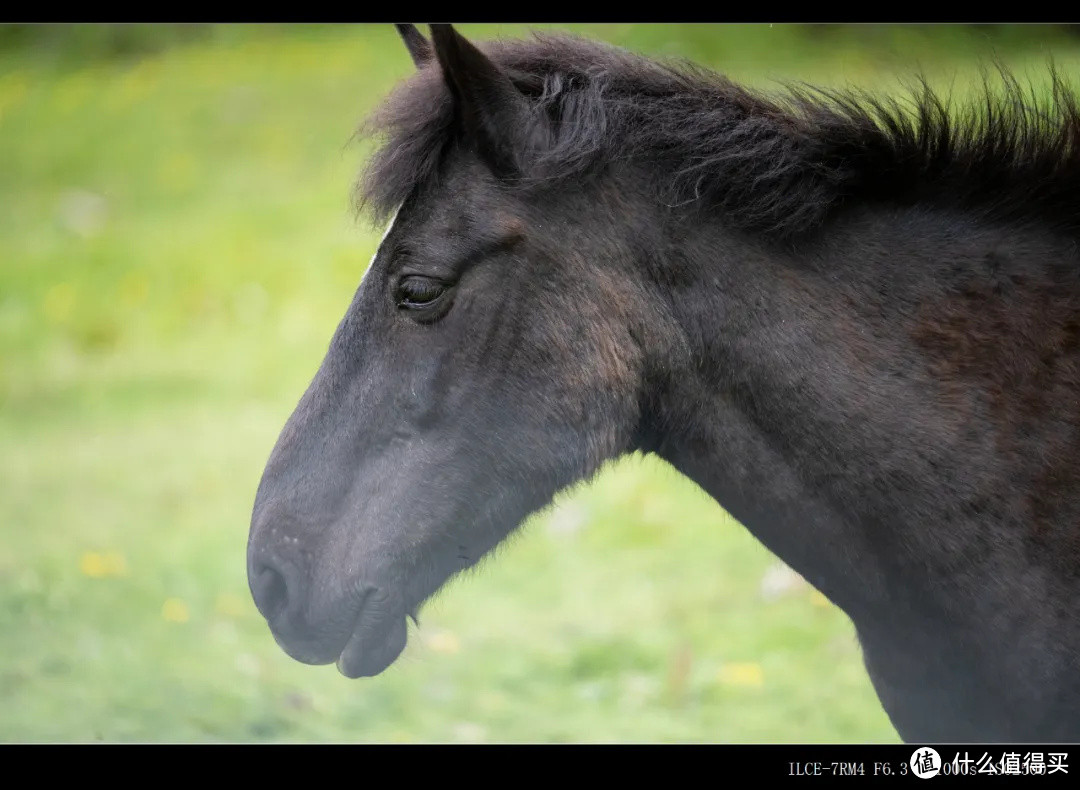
{"x": 417, "y": 292}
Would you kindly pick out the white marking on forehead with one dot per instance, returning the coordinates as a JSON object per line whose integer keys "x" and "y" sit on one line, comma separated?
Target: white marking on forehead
{"x": 378, "y": 247}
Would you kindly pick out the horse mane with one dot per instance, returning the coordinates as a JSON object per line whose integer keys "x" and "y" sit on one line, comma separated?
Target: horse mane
{"x": 777, "y": 165}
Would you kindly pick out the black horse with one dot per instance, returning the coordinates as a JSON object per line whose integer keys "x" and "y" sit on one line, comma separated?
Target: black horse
{"x": 855, "y": 322}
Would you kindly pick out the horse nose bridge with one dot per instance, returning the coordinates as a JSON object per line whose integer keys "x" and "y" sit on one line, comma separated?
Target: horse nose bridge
{"x": 310, "y": 431}
{"x": 310, "y": 469}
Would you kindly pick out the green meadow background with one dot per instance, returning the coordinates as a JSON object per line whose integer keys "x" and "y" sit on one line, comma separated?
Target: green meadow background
{"x": 176, "y": 248}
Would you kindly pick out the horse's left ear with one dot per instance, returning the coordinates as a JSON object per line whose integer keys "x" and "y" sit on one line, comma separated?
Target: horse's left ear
{"x": 418, "y": 46}
{"x": 493, "y": 111}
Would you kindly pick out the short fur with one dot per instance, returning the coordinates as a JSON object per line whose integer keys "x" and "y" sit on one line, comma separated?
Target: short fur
{"x": 856, "y": 326}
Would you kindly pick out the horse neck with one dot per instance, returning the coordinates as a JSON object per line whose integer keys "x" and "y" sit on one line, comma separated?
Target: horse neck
{"x": 812, "y": 406}
{"x": 745, "y": 411}
{"x": 809, "y": 411}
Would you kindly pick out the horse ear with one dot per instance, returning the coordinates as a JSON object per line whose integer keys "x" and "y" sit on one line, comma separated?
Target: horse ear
{"x": 418, "y": 46}
{"x": 493, "y": 111}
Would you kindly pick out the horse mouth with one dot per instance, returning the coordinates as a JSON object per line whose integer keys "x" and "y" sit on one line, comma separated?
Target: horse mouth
{"x": 374, "y": 635}
{"x": 370, "y": 650}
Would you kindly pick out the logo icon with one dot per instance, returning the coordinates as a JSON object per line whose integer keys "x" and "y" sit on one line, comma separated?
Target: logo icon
{"x": 925, "y": 763}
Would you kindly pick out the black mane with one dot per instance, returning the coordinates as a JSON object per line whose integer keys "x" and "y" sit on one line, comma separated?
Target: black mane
{"x": 779, "y": 166}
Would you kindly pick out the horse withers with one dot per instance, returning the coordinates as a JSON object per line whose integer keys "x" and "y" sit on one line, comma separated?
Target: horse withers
{"x": 857, "y": 326}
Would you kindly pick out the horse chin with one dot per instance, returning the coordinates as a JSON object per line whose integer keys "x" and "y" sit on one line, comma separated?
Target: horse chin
{"x": 370, "y": 651}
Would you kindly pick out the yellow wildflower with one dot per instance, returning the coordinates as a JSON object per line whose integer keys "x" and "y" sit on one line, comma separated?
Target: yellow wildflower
{"x": 99, "y": 565}
{"x": 747, "y": 674}
{"x": 175, "y": 611}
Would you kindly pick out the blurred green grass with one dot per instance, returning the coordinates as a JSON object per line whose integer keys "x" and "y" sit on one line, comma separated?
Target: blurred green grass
{"x": 176, "y": 248}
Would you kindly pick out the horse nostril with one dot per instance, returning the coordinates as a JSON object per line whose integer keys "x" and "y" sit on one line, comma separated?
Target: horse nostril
{"x": 271, "y": 592}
